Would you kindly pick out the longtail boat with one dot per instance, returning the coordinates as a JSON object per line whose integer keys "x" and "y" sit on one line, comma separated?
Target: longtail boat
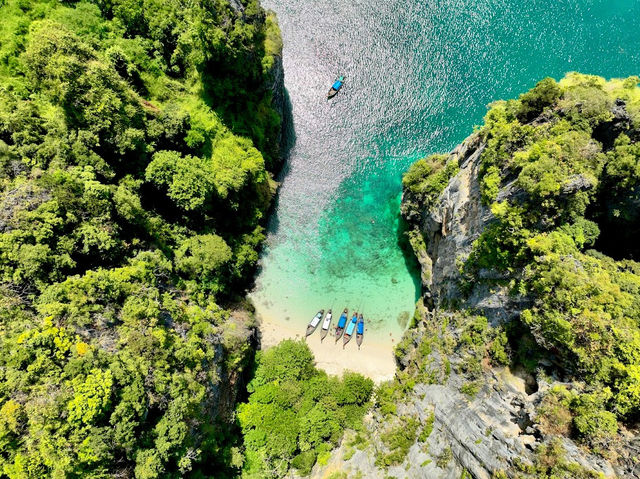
{"x": 325, "y": 326}
{"x": 335, "y": 88}
{"x": 360, "y": 331}
{"x": 314, "y": 322}
{"x": 342, "y": 322}
{"x": 349, "y": 332}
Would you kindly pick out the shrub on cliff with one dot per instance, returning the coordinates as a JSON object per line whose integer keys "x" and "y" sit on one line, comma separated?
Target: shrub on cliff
{"x": 533, "y": 103}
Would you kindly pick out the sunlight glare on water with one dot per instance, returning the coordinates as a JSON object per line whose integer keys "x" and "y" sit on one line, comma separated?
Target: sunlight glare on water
{"x": 419, "y": 77}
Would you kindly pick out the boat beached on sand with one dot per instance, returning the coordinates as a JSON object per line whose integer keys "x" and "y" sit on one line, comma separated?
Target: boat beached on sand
{"x": 349, "y": 332}
{"x": 335, "y": 88}
{"x": 314, "y": 323}
{"x": 360, "y": 330}
{"x": 325, "y": 326}
{"x": 342, "y": 322}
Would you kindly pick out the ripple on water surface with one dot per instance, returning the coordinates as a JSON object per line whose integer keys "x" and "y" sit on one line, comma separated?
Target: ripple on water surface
{"x": 419, "y": 77}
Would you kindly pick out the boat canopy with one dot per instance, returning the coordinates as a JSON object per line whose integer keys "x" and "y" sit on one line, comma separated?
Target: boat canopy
{"x": 342, "y": 321}
{"x": 350, "y": 328}
{"x": 337, "y": 85}
{"x": 327, "y": 321}
{"x": 361, "y": 327}
{"x": 316, "y": 320}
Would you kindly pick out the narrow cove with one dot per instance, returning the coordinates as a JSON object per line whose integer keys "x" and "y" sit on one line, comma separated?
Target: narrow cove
{"x": 417, "y": 85}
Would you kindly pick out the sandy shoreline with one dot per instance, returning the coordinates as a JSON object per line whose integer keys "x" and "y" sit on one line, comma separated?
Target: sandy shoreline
{"x": 374, "y": 359}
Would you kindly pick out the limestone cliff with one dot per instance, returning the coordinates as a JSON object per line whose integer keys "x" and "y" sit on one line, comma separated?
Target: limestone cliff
{"x": 521, "y": 358}
{"x": 479, "y": 433}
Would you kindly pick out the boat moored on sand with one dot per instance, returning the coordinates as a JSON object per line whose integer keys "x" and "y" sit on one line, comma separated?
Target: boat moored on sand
{"x": 325, "y": 326}
{"x": 349, "y": 332}
{"x": 359, "y": 331}
{"x": 342, "y": 322}
{"x": 314, "y": 323}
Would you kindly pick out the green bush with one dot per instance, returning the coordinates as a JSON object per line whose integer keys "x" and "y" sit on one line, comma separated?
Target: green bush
{"x": 202, "y": 258}
{"x": 543, "y": 95}
{"x": 443, "y": 459}
{"x": 592, "y": 422}
{"x": 550, "y": 462}
{"x": 554, "y": 413}
{"x": 427, "y": 178}
{"x": 304, "y": 462}
{"x": 398, "y": 440}
{"x": 427, "y": 428}
{"x": 295, "y": 412}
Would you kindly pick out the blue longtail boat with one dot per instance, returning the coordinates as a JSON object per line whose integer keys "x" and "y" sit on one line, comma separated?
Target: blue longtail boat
{"x": 360, "y": 331}
{"x": 342, "y": 322}
{"x": 335, "y": 88}
{"x": 349, "y": 332}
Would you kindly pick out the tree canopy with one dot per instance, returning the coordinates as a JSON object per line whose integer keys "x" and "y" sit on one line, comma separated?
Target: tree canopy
{"x": 569, "y": 241}
{"x": 136, "y": 139}
{"x": 295, "y": 412}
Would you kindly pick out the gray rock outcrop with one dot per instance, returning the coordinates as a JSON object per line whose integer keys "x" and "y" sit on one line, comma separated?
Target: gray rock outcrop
{"x": 449, "y": 230}
{"x": 493, "y": 432}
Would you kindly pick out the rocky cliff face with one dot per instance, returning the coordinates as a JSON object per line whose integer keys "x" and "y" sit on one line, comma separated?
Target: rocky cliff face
{"x": 496, "y": 430}
{"x": 274, "y": 83}
{"x": 451, "y": 225}
{"x": 482, "y": 425}
{"x": 449, "y": 229}
{"x": 486, "y": 434}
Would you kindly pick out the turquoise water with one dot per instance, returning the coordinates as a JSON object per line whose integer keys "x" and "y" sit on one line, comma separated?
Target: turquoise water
{"x": 419, "y": 77}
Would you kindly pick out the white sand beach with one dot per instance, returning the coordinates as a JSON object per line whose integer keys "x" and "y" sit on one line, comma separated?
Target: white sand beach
{"x": 374, "y": 359}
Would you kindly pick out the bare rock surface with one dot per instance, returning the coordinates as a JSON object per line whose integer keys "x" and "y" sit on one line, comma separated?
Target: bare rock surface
{"x": 495, "y": 430}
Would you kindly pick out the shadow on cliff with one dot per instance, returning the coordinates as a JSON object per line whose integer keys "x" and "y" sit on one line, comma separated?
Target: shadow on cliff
{"x": 287, "y": 142}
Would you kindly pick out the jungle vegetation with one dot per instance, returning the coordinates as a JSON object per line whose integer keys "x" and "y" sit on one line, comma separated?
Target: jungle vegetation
{"x": 137, "y": 141}
{"x": 564, "y": 240}
{"x": 296, "y": 414}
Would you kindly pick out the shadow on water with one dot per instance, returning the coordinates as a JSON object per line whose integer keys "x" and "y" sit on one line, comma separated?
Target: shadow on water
{"x": 288, "y": 136}
{"x": 410, "y": 260}
{"x": 288, "y": 141}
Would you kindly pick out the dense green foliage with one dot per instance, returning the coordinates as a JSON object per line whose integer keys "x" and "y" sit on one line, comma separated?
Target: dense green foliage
{"x": 571, "y": 150}
{"x": 295, "y": 412}
{"x": 425, "y": 180}
{"x": 135, "y": 142}
{"x": 565, "y": 158}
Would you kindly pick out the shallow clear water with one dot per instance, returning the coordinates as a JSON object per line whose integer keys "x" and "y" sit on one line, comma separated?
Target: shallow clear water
{"x": 419, "y": 77}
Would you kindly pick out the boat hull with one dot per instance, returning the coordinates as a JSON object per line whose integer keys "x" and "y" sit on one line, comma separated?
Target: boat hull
{"x": 326, "y": 325}
{"x": 359, "y": 331}
{"x": 333, "y": 92}
{"x": 340, "y": 329}
{"x": 311, "y": 330}
{"x": 348, "y": 334}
